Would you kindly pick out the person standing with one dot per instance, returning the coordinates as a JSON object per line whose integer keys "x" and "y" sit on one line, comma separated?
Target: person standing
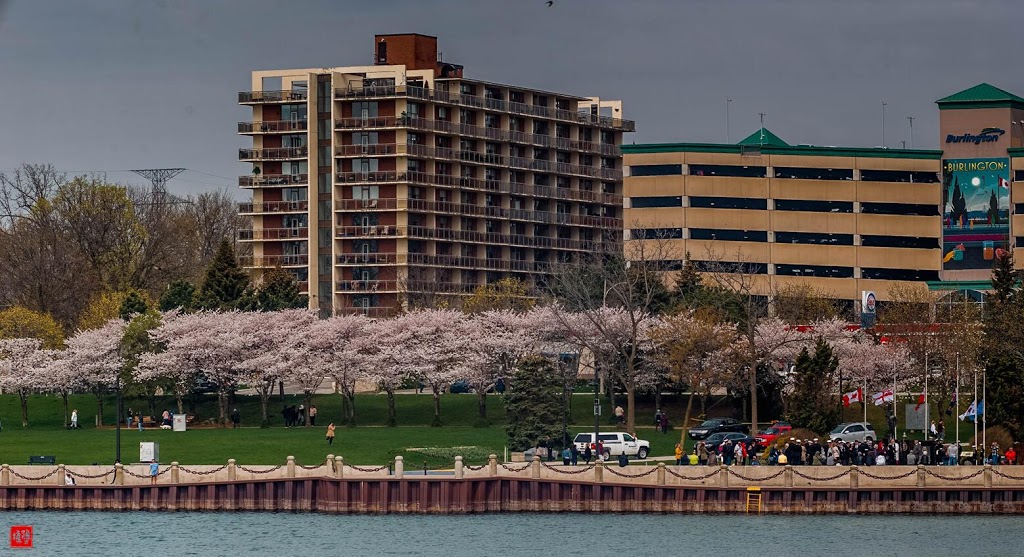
{"x": 679, "y": 455}
{"x": 236, "y": 418}
{"x": 566, "y": 456}
{"x": 330, "y": 433}
{"x": 301, "y": 416}
{"x": 154, "y": 471}
{"x": 575, "y": 454}
{"x": 620, "y": 415}
{"x": 587, "y": 454}
{"x": 74, "y": 419}
{"x": 312, "y": 415}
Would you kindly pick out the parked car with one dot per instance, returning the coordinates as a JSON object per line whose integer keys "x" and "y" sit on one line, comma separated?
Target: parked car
{"x": 715, "y": 440}
{"x": 615, "y": 443}
{"x": 768, "y": 436}
{"x": 853, "y": 431}
{"x": 717, "y": 425}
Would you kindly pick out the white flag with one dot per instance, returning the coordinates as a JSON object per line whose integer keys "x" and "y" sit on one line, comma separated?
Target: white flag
{"x": 971, "y": 412}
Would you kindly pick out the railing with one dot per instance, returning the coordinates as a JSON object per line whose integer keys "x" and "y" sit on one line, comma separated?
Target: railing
{"x": 369, "y": 311}
{"x": 298, "y": 233}
{"x": 368, "y": 286}
{"x": 366, "y": 149}
{"x": 368, "y": 204}
{"x": 471, "y": 262}
{"x": 492, "y": 238}
{"x": 279, "y": 153}
{"x": 368, "y": 231}
{"x": 272, "y": 180}
{"x": 274, "y": 207}
{"x": 273, "y": 260}
{"x": 246, "y": 97}
{"x": 272, "y": 126}
{"x": 359, "y": 258}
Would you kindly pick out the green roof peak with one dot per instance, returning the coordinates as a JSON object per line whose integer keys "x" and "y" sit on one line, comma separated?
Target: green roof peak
{"x": 983, "y": 95}
{"x": 763, "y": 136}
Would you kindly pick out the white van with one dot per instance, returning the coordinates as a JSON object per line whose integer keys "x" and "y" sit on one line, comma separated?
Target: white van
{"x": 615, "y": 443}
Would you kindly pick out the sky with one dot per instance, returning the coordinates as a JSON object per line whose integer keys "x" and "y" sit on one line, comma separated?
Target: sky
{"x": 111, "y": 85}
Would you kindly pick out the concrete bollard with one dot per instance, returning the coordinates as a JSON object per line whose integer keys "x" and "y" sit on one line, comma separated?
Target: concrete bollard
{"x": 661, "y": 473}
{"x": 854, "y": 476}
{"x": 5, "y": 475}
{"x": 339, "y": 466}
{"x": 459, "y": 473}
{"x": 330, "y": 463}
{"x": 118, "y": 474}
{"x": 920, "y": 475}
{"x": 599, "y": 471}
{"x": 788, "y": 475}
{"x": 723, "y": 475}
{"x": 232, "y": 471}
{"x": 175, "y": 473}
{"x": 535, "y": 468}
{"x": 291, "y": 467}
{"x": 60, "y": 474}
{"x": 492, "y": 464}
{"x": 399, "y": 467}
{"x": 987, "y": 474}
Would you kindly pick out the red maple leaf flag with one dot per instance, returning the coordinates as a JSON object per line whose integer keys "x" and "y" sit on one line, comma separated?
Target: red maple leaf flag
{"x": 920, "y": 401}
{"x": 851, "y": 397}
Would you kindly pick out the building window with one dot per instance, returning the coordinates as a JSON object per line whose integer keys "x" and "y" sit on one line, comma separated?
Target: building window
{"x": 728, "y": 203}
{"x": 813, "y": 238}
{"x": 827, "y": 271}
{"x": 726, "y": 235}
{"x": 899, "y": 242}
{"x": 746, "y": 268}
{"x": 1018, "y": 175}
{"x": 656, "y": 170}
{"x": 870, "y": 175}
{"x": 732, "y": 171}
{"x": 657, "y": 233}
{"x": 898, "y": 274}
{"x": 813, "y": 173}
{"x": 655, "y": 202}
{"x": 364, "y": 109}
{"x": 814, "y": 206}
{"x": 900, "y": 209}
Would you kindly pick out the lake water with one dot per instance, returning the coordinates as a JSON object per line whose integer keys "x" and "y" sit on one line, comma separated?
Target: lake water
{"x": 499, "y": 535}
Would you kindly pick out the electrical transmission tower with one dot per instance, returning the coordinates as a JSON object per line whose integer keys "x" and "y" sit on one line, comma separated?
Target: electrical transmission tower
{"x": 159, "y": 176}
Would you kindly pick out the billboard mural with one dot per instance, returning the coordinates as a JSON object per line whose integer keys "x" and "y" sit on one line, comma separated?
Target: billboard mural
{"x": 975, "y": 212}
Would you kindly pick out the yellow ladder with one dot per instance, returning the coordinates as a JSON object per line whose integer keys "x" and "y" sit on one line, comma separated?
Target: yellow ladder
{"x": 754, "y": 498}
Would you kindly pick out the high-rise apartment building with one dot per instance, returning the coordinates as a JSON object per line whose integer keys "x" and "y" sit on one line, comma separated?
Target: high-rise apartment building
{"x": 394, "y": 183}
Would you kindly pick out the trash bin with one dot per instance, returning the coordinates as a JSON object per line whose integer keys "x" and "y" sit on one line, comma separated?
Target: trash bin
{"x": 623, "y": 460}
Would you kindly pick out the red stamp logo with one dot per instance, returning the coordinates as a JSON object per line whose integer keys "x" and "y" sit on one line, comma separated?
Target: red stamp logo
{"x": 21, "y": 537}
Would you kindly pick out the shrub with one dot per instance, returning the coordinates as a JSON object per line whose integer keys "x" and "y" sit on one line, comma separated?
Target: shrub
{"x": 995, "y": 434}
{"x": 797, "y": 433}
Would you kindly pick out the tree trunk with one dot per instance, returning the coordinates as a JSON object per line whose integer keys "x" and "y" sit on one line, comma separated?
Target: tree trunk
{"x": 181, "y": 403}
{"x": 23, "y": 397}
{"x": 307, "y": 396}
{"x": 753, "y": 396}
{"x": 437, "y": 406}
{"x": 222, "y": 408}
{"x": 631, "y": 408}
{"x": 151, "y": 397}
{"x": 392, "y": 419}
{"x": 350, "y": 407}
{"x": 481, "y": 403}
{"x": 657, "y": 396}
{"x": 64, "y": 399}
{"x": 99, "y": 409}
{"x": 686, "y": 419}
{"x": 265, "y": 407}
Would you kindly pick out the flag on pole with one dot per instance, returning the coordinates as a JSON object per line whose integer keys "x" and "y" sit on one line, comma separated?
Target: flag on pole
{"x": 853, "y": 396}
{"x": 971, "y": 412}
{"x": 1004, "y": 183}
{"x": 952, "y": 404}
{"x": 920, "y": 401}
{"x": 883, "y": 397}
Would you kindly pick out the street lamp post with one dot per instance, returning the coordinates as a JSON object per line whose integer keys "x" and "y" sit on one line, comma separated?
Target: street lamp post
{"x": 117, "y": 441}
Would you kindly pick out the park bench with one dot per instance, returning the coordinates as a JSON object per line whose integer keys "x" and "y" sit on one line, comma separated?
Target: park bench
{"x": 150, "y": 421}
{"x": 42, "y": 460}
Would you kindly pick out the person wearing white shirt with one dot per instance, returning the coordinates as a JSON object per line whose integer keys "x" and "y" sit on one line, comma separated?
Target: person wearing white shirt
{"x": 74, "y": 419}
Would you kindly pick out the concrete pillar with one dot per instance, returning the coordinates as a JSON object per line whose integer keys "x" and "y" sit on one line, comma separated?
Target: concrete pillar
{"x": 987, "y": 474}
{"x": 788, "y": 476}
{"x": 920, "y": 475}
{"x": 290, "y": 467}
{"x": 175, "y": 473}
{"x": 118, "y": 474}
{"x": 723, "y": 475}
{"x": 459, "y": 473}
{"x": 339, "y": 467}
{"x": 399, "y": 467}
{"x": 492, "y": 464}
{"x": 854, "y": 476}
{"x": 330, "y": 463}
{"x": 535, "y": 468}
{"x": 661, "y": 473}
{"x": 60, "y": 474}
{"x": 5, "y": 475}
{"x": 599, "y": 471}
{"x": 232, "y": 470}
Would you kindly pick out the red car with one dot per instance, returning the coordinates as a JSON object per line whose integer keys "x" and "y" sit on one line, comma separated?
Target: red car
{"x": 768, "y": 436}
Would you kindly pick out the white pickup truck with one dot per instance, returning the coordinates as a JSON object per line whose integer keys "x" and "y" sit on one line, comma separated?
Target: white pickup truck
{"x": 615, "y": 443}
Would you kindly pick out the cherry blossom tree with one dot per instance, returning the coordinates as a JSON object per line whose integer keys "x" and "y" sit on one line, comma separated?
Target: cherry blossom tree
{"x": 22, "y": 369}
{"x": 502, "y": 338}
{"x": 442, "y": 347}
{"x": 392, "y": 360}
{"x": 96, "y": 356}
{"x": 62, "y": 379}
{"x": 340, "y": 347}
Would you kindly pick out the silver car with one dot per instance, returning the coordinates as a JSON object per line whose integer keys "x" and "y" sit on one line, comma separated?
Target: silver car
{"x": 853, "y": 431}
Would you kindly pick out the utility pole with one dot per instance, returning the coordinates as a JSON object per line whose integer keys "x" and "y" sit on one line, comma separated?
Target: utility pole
{"x": 884, "y": 104}
{"x": 159, "y": 176}
{"x": 728, "y": 135}
{"x": 761, "y": 114}
{"x": 911, "y": 120}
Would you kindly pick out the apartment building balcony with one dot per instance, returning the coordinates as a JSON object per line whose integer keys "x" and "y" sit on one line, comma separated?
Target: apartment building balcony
{"x": 475, "y": 263}
{"x": 273, "y": 154}
{"x": 271, "y": 126}
{"x": 272, "y": 180}
{"x": 273, "y": 207}
{"x": 469, "y": 236}
{"x": 258, "y": 234}
{"x": 271, "y": 97}
{"x": 365, "y": 150}
{"x": 271, "y": 261}
{"x": 361, "y": 259}
{"x": 372, "y": 231}
{"x": 368, "y": 286}
{"x": 368, "y": 311}
{"x": 369, "y": 205}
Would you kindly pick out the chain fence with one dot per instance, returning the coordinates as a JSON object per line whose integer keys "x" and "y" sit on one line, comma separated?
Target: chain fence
{"x": 253, "y": 471}
{"x": 753, "y": 479}
{"x": 82, "y": 476}
{"x": 561, "y": 470}
{"x": 31, "y": 479}
{"x": 513, "y": 468}
{"x": 692, "y": 479}
{"x": 615, "y": 472}
{"x": 206, "y": 473}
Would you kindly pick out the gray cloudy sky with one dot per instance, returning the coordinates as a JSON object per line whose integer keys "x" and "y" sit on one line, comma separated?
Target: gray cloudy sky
{"x": 112, "y": 85}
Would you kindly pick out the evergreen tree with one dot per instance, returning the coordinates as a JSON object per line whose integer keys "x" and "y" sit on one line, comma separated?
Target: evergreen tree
{"x": 1004, "y": 281}
{"x": 811, "y": 404}
{"x": 1003, "y": 320}
{"x": 280, "y": 291}
{"x": 533, "y": 405}
{"x": 226, "y": 284}
{"x": 180, "y": 294}
{"x": 133, "y": 304}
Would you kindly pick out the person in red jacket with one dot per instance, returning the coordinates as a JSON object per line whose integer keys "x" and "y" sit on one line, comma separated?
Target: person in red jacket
{"x": 1011, "y": 456}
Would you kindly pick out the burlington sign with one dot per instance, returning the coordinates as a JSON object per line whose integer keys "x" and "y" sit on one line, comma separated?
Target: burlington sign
{"x": 987, "y": 135}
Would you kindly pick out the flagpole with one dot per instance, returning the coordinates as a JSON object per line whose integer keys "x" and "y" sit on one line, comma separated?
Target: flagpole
{"x": 864, "y": 400}
{"x": 927, "y": 422}
{"x": 956, "y": 419}
{"x": 895, "y": 417}
{"x": 984, "y": 411}
{"x": 976, "y": 420}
